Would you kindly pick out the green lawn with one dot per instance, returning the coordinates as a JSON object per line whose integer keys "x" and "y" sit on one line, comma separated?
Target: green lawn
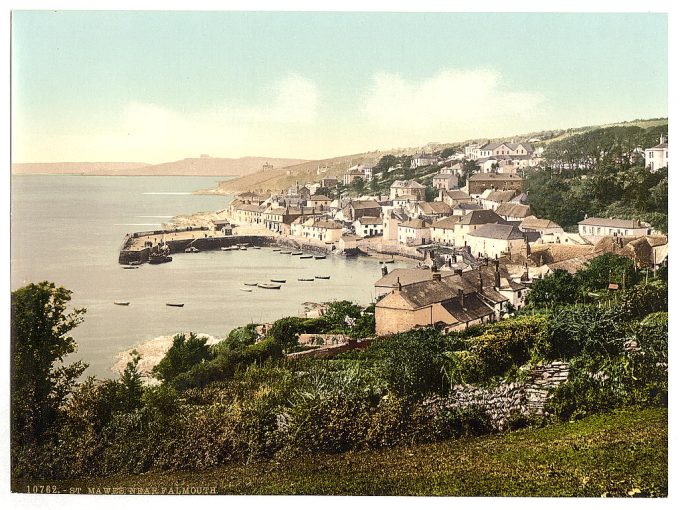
{"x": 624, "y": 453}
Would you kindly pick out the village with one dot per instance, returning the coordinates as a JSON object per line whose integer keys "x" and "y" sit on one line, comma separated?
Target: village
{"x": 476, "y": 249}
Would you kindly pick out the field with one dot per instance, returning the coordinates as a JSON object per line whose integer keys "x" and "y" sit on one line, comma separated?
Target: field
{"x": 619, "y": 454}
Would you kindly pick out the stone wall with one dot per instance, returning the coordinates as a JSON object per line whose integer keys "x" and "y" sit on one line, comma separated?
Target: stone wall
{"x": 502, "y": 402}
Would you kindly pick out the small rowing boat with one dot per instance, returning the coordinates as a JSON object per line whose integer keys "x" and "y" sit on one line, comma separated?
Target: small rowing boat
{"x": 323, "y": 277}
{"x": 319, "y": 257}
{"x": 285, "y": 253}
{"x": 191, "y": 249}
{"x": 268, "y": 286}
{"x": 278, "y": 280}
{"x": 243, "y": 248}
{"x": 307, "y": 256}
{"x": 296, "y": 253}
{"x": 389, "y": 261}
{"x": 276, "y": 249}
{"x": 251, "y": 284}
{"x": 305, "y": 279}
{"x": 246, "y": 290}
{"x": 225, "y": 248}
{"x": 130, "y": 267}
{"x": 178, "y": 305}
{"x": 121, "y": 303}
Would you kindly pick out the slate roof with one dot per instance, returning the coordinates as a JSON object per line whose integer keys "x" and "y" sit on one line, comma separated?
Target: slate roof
{"x": 473, "y": 308}
{"x": 443, "y": 176}
{"x": 501, "y": 196}
{"x": 612, "y": 222}
{"x": 513, "y": 210}
{"x": 480, "y": 217}
{"x": 370, "y": 220}
{"x": 456, "y": 194}
{"x": 319, "y": 197}
{"x": 416, "y": 223}
{"x": 536, "y": 223}
{"x": 406, "y": 184}
{"x": 365, "y": 204}
{"x": 496, "y": 231}
{"x": 435, "y": 207}
{"x": 449, "y": 222}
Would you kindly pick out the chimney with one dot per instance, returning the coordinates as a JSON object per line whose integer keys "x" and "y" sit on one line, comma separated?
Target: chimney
{"x": 458, "y": 271}
{"x": 437, "y": 277}
{"x": 448, "y": 262}
{"x": 398, "y": 284}
{"x": 497, "y": 277}
{"x": 461, "y": 298}
{"x": 481, "y": 283}
{"x": 383, "y": 269}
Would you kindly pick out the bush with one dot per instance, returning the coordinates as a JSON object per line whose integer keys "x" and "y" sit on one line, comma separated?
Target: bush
{"x": 182, "y": 355}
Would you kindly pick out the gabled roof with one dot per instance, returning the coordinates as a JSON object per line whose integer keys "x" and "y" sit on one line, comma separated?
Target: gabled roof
{"x": 416, "y": 223}
{"x": 497, "y": 231}
{"x": 612, "y": 222}
{"x": 407, "y": 184}
{"x": 447, "y": 223}
{"x": 512, "y": 210}
{"x": 501, "y": 196}
{"x": 443, "y": 176}
{"x": 365, "y": 204}
{"x": 370, "y": 220}
{"x": 434, "y": 207}
{"x": 456, "y": 194}
{"x": 480, "y": 217}
{"x": 319, "y": 198}
{"x": 537, "y": 223}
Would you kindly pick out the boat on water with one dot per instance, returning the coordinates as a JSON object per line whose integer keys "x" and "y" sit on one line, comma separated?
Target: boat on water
{"x": 323, "y": 277}
{"x": 160, "y": 254}
{"x": 256, "y": 247}
{"x": 130, "y": 267}
{"x": 277, "y": 280}
{"x": 243, "y": 245}
{"x": 307, "y": 256}
{"x": 178, "y": 305}
{"x": 319, "y": 257}
{"x": 389, "y": 261}
{"x": 251, "y": 284}
{"x": 296, "y": 253}
{"x": 246, "y": 290}
{"x": 225, "y": 248}
{"x": 276, "y": 249}
{"x": 285, "y": 253}
{"x": 242, "y": 248}
{"x": 121, "y": 303}
{"x": 268, "y": 286}
{"x": 191, "y": 249}
{"x": 305, "y": 279}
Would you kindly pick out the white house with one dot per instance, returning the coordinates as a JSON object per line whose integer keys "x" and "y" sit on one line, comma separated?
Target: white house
{"x": 423, "y": 159}
{"x": 445, "y": 181}
{"x": 414, "y": 232}
{"x": 328, "y": 231}
{"x": 494, "y": 240}
{"x": 594, "y": 229}
{"x": 368, "y": 226}
{"x": 657, "y": 157}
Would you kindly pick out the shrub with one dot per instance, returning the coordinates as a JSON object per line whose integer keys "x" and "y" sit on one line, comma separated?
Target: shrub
{"x": 182, "y": 355}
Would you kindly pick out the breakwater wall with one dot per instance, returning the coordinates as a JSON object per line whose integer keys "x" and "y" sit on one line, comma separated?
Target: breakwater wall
{"x": 134, "y": 249}
{"x": 332, "y": 350}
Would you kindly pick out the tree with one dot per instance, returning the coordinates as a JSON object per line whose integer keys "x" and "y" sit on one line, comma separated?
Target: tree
{"x": 448, "y": 152}
{"x": 556, "y": 288}
{"x": 182, "y": 355}
{"x": 322, "y": 190}
{"x": 40, "y": 381}
{"x": 387, "y": 161}
{"x": 358, "y": 185}
{"x": 606, "y": 269}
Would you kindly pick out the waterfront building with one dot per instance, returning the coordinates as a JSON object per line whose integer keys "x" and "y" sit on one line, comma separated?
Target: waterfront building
{"x": 495, "y": 240}
{"x": 368, "y": 226}
{"x": 414, "y": 232}
{"x": 318, "y": 228}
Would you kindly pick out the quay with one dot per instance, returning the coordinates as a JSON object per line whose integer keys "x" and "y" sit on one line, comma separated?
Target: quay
{"x": 137, "y": 246}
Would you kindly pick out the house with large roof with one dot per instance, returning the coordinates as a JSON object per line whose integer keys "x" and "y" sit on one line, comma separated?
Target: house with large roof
{"x": 368, "y": 226}
{"x": 544, "y": 227}
{"x": 407, "y": 187}
{"x": 511, "y": 211}
{"x": 414, "y": 232}
{"x": 432, "y": 210}
{"x": 593, "y": 229}
{"x": 445, "y": 181}
{"x": 477, "y": 183}
{"x": 496, "y": 240}
{"x": 318, "y": 228}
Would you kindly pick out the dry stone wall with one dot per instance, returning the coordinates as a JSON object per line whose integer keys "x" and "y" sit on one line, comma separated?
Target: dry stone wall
{"x": 505, "y": 401}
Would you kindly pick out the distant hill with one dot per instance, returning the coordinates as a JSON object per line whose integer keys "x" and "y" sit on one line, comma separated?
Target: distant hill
{"x": 280, "y": 178}
{"x": 204, "y": 166}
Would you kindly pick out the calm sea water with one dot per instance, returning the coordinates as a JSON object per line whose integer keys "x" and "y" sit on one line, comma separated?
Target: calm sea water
{"x": 68, "y": 229}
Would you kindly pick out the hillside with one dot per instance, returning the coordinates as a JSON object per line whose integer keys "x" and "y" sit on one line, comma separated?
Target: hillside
{"x": 307, "y": 172}
{"x": 618, "y": 454}
{"x": 204, "y": 166}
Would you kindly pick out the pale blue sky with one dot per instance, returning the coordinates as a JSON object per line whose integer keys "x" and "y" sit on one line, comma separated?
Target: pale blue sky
{"x": 155, "y": 86}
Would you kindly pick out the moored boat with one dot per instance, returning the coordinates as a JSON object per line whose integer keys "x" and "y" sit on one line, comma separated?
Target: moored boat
{"x": 225, "y": 248}
{"x": 191, "y": 249}
{"x": 296, "y": 253}
{"x": 121, "y": 303}
{"x": 130, "y": 267}
{"x": 276, "y": 249}
{"x": 246, "y": 290}
{"x": 178, "y": 305}
{"x": 307, "y": 256}
{"x": 305, "y": 279}
{"x": 326, "y": 277}
{"x": 268, "y": 286}
{"x": 251, "y": 284}
{"x": 285, "y": 253}
{"x": 243, "y": 248}
{"x": 319, "y": 257}
{"x": 277, "y": 280}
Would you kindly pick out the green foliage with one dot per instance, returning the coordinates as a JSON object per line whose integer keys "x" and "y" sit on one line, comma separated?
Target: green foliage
{"x": 39, "y": 342}
{"x": 606, "y": 269}
{"x": 558, "y": 287}
{"x": 286, "y": 331}
{"x": 182, "y": 355}
{"x": 644, "y": 299}
{"x": 238, "y": 337}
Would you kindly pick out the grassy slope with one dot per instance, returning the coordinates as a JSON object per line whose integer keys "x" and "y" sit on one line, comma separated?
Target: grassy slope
{"x": 306, "y": 172}
{"x": 614, "y": 454}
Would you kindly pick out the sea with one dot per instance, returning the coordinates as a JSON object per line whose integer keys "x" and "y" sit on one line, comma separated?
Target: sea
{"x": 68, "y": 229}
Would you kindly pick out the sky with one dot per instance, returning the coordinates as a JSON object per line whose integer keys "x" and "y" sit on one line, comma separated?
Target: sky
{"x": 161, "y": 86}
